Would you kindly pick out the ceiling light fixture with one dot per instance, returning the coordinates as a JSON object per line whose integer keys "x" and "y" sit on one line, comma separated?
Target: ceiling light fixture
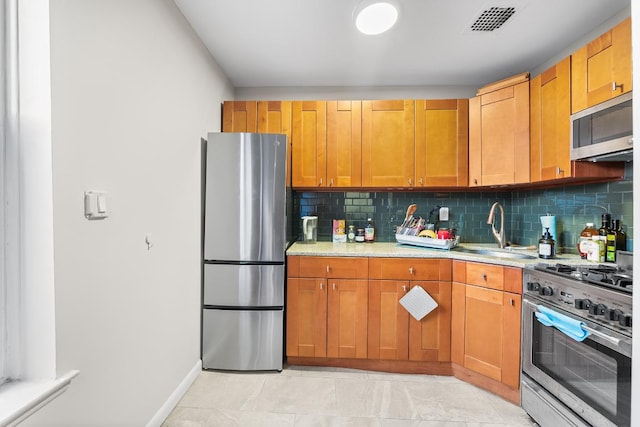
{"x": 375, "y": 17}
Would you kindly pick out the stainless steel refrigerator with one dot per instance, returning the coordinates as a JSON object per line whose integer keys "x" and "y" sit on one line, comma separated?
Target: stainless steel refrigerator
{"x": 244, "y": 251}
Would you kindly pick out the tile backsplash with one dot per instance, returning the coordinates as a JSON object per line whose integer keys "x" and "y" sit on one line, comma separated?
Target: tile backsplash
{"x": 573, "y": 207}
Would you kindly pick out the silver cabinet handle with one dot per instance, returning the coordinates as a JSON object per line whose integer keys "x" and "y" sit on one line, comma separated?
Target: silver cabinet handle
{"x": 320, "y": 181}
{"x": 404, "y": 288}
{"x": 512, "y": 301}
{"x": 410, "y": 181}
{"x": 421, "y": 181}
{"x": 484, "y": 276}
{"x": 615, "y": 86}
{"x": 334, "y": 286}
{"x": 320, "y": 285}
{"x": 411, "y": 270}
{"x": 328, "y": 268}
{"x": 475, "y": 181}
{"x": 331, "y": 183}
{"x": 559, "y": 171}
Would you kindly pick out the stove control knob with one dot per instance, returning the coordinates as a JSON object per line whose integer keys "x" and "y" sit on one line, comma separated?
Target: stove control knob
{"x": 583, "y": 304}
{"x": 598, "y": 309}
{"x": 546, "y": 290}
{"x": 614, "y": 315}
{"x": 533, "y": 286}
{"x": 625, "y": 320}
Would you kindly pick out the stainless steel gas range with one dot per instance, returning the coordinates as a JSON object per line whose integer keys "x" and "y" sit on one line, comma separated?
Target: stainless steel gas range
{"x": 576, "y": 344}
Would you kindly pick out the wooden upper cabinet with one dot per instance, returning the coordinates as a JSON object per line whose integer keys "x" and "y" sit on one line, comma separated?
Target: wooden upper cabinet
{"x": 309, "y": 143}
{"x": 388, "y": 146}
{"x": 442, "y": 136}
{"x": 550, "y": 132}
{"x": 601, "y": 70}
{"x": 275, "y": 117}
{"x": 240, "y": 116}
{"x": 344, "y": 144}
{"x": 550, "y": 109}
{"x": 499, "y": 133}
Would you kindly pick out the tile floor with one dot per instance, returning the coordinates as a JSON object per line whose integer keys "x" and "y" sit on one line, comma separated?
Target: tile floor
{"x": 310, "y": 396}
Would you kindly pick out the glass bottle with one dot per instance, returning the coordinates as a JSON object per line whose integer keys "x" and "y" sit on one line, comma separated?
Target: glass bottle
{"x": 610, "y": 250}
{"x": 369, "y": 231}
{"x": 585, "y": 239}
{"x": 621, "y": 236}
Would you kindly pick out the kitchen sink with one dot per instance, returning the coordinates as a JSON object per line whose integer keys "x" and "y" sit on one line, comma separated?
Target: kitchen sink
{"x": 496, "y": 253}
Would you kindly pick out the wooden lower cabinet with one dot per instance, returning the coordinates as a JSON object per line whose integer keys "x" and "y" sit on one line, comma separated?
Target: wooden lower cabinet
{"x": 395, "y": 335}
{"x": 327, "y": 318}
{"x": 485, "y": 327}
{"x": 326, "y": 315}
{"x": 346, "y": 312}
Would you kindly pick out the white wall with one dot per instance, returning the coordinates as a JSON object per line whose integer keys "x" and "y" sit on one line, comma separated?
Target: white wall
{"x": 133, "y": 91}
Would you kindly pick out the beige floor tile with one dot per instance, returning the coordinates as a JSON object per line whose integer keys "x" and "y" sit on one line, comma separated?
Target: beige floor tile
{"x": 317, "y": 396}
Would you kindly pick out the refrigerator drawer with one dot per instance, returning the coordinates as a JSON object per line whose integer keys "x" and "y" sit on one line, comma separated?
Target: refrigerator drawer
{"x": 232, "y": 285}
{"x": 242, "y": 340}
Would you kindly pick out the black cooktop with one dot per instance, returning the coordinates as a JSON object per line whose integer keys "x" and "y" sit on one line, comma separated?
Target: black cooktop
{"x": 610, "y": 276}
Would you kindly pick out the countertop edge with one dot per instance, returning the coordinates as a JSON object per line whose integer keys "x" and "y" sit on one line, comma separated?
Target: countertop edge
{"x": 396, "y": 250}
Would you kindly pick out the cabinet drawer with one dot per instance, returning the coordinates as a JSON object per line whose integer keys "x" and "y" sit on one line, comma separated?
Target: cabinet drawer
{"x": 334, "y": 267}
{"x": 410, "y": 269}
{"x": 485, "y": 275}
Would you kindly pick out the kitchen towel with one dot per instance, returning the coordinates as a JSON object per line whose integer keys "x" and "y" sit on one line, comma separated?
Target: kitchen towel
{"x": 565, "y": 324}
{"x": 418, "y": 302}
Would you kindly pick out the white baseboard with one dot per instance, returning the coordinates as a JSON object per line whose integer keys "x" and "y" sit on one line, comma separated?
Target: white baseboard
{"x": 175, "y": 397}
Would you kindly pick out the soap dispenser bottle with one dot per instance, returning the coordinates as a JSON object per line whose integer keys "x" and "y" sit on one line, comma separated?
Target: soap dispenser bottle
{"x": 546, "y": 245}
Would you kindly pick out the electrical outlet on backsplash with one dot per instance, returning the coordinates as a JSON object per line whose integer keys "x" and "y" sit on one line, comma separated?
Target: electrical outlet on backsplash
{"x": 573, "y": 207}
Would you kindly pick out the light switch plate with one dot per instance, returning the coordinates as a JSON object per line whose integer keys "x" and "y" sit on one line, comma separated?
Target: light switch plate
{"x": 95, "y": 205}
{"x": 444, "y": 214}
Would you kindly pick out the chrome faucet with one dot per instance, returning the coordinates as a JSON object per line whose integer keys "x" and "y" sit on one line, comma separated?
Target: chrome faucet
{"x": 491, "y": 221}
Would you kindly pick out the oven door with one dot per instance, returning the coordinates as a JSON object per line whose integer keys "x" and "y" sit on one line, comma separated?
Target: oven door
{"x": 591, "y": 377}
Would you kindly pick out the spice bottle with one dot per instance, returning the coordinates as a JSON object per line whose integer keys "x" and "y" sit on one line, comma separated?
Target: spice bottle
{"x": 546, "y": 245}
{"x": 585, "y": 239}
{"x": 351, "y": 234}
{"x": 369, "y": 231}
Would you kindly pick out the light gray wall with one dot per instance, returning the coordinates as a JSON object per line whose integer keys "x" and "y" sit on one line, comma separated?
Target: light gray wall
{"x": 133, "y": 91}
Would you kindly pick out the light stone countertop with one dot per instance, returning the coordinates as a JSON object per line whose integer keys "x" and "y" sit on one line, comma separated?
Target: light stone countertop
{"x": 395, "y": 250}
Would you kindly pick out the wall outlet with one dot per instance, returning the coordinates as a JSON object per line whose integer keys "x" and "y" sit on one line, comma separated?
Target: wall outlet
{"x": 444, "y": 214}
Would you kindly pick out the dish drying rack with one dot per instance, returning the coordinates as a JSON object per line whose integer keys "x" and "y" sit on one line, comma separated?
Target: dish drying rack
{"x": 427, "y": 242}
{"x": 407, "y": 233}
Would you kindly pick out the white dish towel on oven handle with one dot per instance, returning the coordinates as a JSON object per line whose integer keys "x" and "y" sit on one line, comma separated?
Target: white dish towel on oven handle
{"x": 418, "y": 302}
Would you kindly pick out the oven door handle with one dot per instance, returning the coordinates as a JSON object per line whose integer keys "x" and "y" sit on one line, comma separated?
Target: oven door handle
{"x": 613, "y": 340}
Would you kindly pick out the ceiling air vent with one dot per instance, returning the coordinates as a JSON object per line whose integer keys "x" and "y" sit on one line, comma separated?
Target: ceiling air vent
{"x": 492, "y": 18}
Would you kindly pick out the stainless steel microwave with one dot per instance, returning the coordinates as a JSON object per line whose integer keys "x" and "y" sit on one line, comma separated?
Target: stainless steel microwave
{"x": 604, "y": 132}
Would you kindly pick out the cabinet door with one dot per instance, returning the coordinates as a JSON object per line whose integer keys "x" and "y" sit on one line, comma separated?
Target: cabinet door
{"x": 344, "y": 144}
{"x": 309, "y": 141}
{"x": 239, "y": 116}
{"x": 306, "y": 317}
{"x": 601, "y": 70}
{"x": 388, "y": 334}
{"x": 347, "y": 318}
{"x": 388, "y": 143}
{"x": 475, "y": 141}
{"x": 275, "y": 117}
{"x": 430, "y": 338}
{"x": 442, "y": 128}
{"x": 550, "y": 123}
{"x": 491, "y": 334}
{"x": 504, "y": 150}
